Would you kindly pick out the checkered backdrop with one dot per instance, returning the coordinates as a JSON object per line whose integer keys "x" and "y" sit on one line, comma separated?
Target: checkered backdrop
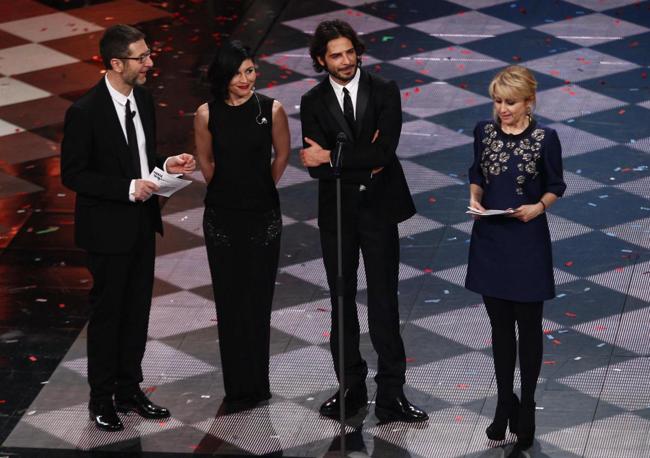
{"x": 591, "y": 60}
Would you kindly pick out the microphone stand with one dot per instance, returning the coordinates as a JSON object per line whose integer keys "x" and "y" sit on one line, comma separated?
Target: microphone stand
{"x": 340, "y": 140}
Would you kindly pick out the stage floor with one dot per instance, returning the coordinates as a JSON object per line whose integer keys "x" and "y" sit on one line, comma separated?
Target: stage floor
{"x": 591, "y": 58}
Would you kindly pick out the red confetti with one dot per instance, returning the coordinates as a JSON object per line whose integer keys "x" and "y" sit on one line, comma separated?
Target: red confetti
{"x": 549, "y": 363}
{"x": 326, "y": 334}
{"x": 547, "y": 331}
{"x": 410, "y": 360}
{"x": 407, "y": 95}
{"x": 516, "y": 58}
{"x": 570, "y": 314}
{"x": 600, "y": 327}
{"x": 621, "y": 112}
{"x": 416, "y": 90}
{"x": 458, "y": 418}
{"x": 61, "y": 306}
{"x": 556, "y": 342}
{"x": 33, "y": 358}
{"x": 619, "y": 269}
{"x": 462, "y": 386}
{"x": 321, "y": 309}
{"x": 568, "y": 263}
{"x": 432, "y": 200}
{"x": 427, "y": 270}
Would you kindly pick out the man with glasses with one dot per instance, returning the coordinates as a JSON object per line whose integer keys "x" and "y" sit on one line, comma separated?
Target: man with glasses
{"x": 108, "y": 151}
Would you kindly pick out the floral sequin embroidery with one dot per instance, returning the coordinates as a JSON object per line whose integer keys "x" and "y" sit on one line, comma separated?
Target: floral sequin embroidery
{"x": 496, "y": 154}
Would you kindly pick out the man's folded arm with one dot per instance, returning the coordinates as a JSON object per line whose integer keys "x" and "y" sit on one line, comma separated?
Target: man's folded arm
{"x": 311, "y": 129}
{"x": 382, "y": 151}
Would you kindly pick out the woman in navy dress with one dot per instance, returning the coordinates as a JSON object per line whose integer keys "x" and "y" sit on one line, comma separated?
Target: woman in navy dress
{"x": 518, "y": 166}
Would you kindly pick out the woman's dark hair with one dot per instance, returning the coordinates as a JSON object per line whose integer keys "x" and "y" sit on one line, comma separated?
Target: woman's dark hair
{"x": 331, "y": 30}
{"x": 225, "y": 65}
{"x": 115, "y": 42}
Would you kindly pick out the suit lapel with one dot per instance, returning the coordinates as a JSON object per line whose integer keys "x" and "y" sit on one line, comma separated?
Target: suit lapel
{"x": 334, "y": 108}
{"x": 114, "y": 128}
{"x": 363, "y": 94}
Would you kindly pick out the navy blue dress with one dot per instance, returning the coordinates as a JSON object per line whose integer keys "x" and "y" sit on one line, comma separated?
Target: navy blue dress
{"x": 510, "y": 259}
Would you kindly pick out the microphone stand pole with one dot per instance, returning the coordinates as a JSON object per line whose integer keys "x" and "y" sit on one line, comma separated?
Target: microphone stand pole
{"x": 340, "y": 289}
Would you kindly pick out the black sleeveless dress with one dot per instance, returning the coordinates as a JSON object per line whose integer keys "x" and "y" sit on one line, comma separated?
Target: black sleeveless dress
{"x": 242, "y": 226}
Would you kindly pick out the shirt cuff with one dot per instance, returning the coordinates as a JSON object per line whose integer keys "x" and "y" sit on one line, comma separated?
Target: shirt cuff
{"x": 132, "y": 191}
{"x": 165, "y": 165}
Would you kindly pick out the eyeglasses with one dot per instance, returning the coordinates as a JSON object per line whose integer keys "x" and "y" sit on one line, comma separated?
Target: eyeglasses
{"x": 141, "y": 58}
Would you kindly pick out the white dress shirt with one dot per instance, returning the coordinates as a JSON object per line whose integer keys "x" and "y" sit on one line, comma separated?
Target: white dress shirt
{"x": 352, "y": 87}
{"x": 119, "y": 101}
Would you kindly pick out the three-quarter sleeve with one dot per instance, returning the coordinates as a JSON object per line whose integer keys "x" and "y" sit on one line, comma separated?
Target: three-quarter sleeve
{"x": 552, "y": 162}
{"x": 474, "y": 173}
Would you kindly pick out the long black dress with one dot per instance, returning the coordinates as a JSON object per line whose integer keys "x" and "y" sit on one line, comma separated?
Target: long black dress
{"x": 510, "y": 259}
{"x": 242, "y": 226}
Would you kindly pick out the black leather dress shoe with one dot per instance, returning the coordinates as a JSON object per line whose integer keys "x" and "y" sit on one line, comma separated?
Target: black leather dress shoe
{"x": 104, "y": 416}
{"x": 140, "y": 404}
{"x": 398, "y": 408}
{"x": 355, "y": 399}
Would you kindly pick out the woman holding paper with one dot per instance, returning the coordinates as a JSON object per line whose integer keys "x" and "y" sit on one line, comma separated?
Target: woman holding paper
{"x": 517, "y": 167}
{"x": 242, "y": 223}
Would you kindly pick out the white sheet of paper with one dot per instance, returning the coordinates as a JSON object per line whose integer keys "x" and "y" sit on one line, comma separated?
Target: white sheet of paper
{"x": 168, "y": 183}
{"x": 474, "y": 211}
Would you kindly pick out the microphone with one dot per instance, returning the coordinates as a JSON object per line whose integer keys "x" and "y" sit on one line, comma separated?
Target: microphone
{"x": 341, "y": 138}
{"x": 259, "y": 121}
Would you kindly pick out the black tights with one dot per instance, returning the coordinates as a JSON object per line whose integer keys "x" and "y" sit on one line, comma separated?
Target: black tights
{"x": 528, "y": 316}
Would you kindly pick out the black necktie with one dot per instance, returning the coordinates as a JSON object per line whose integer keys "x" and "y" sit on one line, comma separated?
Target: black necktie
{"x": 132, "y": 139}
{"x": 348, "y": 109}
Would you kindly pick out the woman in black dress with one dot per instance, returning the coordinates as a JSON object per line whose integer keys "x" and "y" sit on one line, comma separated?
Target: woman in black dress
{"x": 242, "y": 221}
{"x": 518, "y": 166}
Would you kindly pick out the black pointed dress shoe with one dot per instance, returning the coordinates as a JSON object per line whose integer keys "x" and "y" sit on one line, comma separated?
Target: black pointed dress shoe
{"x": 140, "y": 404}
{"x": 104, "y": 416}
{"x": 398, "y": 408}
{"x": 355, "y": 400}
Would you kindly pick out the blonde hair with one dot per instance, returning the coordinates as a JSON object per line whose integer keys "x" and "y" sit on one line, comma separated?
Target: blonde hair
{"x": 516, "y": 83}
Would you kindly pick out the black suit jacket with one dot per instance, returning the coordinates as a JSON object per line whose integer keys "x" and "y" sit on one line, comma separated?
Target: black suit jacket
{"x": 97, "y": 164}
{"x": 378, "y": 108}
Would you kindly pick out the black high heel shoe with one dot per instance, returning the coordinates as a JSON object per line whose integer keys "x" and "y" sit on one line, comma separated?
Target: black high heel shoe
{"x": 526, "y": 426}
{"x": 507, "y": 414}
